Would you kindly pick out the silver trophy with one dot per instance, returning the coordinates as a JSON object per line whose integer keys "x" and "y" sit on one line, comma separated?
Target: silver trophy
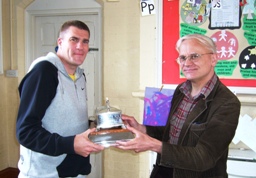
{"x": 109, "y": 126}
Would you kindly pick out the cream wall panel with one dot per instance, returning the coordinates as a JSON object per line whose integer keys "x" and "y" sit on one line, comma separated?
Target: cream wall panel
{"x": 3, "y": 128}
{"x": 8, "y": 95}
{"x": 121, "y": 77}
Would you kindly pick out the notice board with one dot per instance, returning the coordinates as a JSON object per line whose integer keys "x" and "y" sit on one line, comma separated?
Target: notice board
{"x": 231, "y": 24}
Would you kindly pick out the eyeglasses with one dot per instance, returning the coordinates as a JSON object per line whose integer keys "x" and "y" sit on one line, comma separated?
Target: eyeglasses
{"x": 192, "y": 57}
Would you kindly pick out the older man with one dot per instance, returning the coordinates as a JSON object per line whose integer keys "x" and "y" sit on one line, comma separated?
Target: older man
{"x": 202, "y": 120}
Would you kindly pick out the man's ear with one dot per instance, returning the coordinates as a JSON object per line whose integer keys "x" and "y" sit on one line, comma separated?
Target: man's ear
{"x": 214, "y": 59}
{"x": 59, "y": 41}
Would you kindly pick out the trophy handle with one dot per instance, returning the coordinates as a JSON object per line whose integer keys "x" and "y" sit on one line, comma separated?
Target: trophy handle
{"x": 108, "y": 104}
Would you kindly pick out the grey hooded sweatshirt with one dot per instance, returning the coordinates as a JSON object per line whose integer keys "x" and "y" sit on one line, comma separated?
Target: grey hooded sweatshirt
{"x": 53, "y": 109}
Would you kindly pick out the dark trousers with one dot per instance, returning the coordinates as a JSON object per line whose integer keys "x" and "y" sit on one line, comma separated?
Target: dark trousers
{"x": 161, "y": 172}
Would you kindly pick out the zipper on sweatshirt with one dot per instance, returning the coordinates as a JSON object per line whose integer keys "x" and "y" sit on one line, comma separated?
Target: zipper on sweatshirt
{"x": 76, "y": 91}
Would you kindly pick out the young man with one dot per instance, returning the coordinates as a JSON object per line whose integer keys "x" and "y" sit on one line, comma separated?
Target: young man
{"x": 52, "y": 123}
{"x": 202, "y": 120}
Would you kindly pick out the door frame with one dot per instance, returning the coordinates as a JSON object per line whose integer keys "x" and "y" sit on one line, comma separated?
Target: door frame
{"x": 30, "y": 27}
{"x": 93, "y": 8}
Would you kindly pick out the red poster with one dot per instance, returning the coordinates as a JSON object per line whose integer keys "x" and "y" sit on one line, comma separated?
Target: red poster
{"x": 170, "y": 69}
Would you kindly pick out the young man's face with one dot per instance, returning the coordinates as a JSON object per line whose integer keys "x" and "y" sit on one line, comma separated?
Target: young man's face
{"x": 73, "y": 46}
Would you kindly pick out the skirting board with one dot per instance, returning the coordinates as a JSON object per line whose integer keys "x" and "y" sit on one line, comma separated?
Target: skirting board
{"x": 9, "y": 173}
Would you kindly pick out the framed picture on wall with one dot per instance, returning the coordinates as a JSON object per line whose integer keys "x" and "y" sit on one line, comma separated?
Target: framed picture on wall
{"x": 225, "y": 14}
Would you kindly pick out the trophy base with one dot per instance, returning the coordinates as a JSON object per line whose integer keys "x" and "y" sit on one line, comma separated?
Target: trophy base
{"x": 108, "y": 137}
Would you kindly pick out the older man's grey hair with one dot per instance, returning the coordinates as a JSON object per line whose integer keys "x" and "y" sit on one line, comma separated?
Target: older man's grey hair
{"x": 205, "y": 41}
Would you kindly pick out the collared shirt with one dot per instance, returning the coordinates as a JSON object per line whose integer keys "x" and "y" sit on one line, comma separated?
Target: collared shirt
{"x": 186, "y": 106}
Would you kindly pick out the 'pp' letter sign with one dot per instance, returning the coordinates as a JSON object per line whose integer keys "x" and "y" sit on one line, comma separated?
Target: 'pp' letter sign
{"x": 147, "y": 7}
